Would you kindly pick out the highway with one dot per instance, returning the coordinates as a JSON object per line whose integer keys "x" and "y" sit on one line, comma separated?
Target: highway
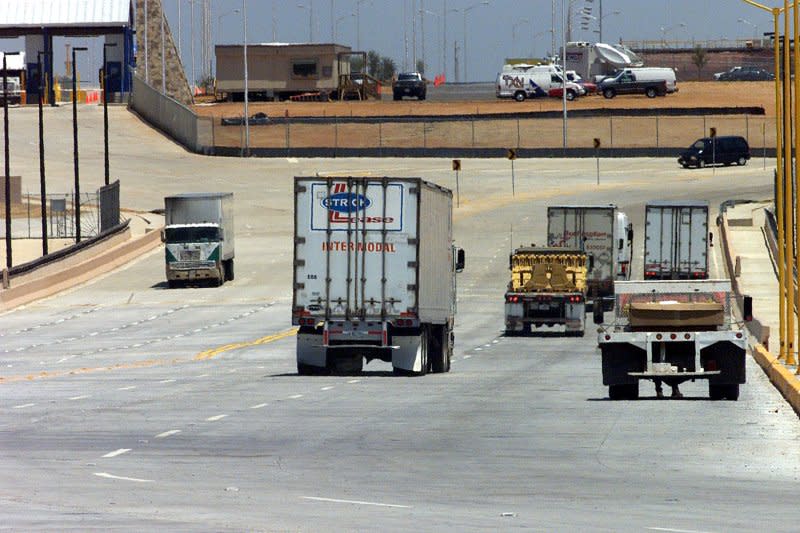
{"x": 127, "y": 406}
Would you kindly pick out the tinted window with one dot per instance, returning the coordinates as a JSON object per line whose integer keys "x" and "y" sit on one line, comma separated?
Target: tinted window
{"x": 408, "y": 77}
{"x": 304, "y": 68}
{"x": 192, "y": 234}
{"x": 699, "y": 144}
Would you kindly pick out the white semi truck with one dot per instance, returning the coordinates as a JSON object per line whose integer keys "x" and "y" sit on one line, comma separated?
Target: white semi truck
{"x": 673, "y": 331}
{"x": 676, "y": 240}
{"x": 198, "y": 238}
{"x": 374, "y": 274}
{"x": 604, "y": 233}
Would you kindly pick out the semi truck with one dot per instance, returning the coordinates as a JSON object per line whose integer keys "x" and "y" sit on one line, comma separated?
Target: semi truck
{"x": 198, "y": 238}
{"x": 673, "y": 331}
{"x": 676, "y": 240}
{"x": 547, "y": 288}
{"x": 604, "y": 233}
{"x": 374, "y": 274}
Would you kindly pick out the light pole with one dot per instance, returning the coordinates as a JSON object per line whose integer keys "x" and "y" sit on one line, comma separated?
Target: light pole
{"x": 42, "y": 187}
{"x": 219, "y": 21}
{"x": 310, "y": 8}
{"x": 105, "y": 105}
{"x": 755, "y": 27}
{"x": 246, "y": 87}
{"x": 7, "y": 190}
{"x": 599, "y": 31}
{"x": 422, "y": 13}
{"x": 336, "y": 25}
{"x": 664, "y": 31}
{"x": 514, "y": 34}
{"x": 358, "y": 24}
{"x": 466, "y": 12}
{"x": 77, "y": 198}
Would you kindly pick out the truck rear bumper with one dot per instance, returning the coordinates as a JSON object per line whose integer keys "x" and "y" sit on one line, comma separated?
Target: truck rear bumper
{"x": 192, "y": 274}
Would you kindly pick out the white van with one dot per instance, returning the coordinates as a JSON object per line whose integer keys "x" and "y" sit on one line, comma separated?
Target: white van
{"x": 531, "y": 82}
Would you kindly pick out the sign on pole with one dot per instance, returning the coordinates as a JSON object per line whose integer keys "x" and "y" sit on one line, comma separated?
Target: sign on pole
{"x": 457, "y": 168}
{"x": 597, "y": 157}
{"x": 511, "y": 154}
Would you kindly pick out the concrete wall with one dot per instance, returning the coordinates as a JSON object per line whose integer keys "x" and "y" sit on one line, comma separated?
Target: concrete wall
{"x": 149, "y": 58}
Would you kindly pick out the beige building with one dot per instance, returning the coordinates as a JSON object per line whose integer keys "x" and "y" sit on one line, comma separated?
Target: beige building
{"x": 279, "y": 70}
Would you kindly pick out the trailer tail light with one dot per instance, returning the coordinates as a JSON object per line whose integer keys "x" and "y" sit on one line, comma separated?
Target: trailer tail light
{"x": 325, "y": 337}
{"x": 649, "y": 274}
{"x": 608, "y": 337}
{"x": 659, "y": 336}
{"x": 300, "y": 311}
{"x": 575, "y": 299}
{"x": 687, "y": 336}
{"x": 700, "y": 275}
{"x": 513, "y": 298}
{"x": 673, "y": 336}
{"x": 624, "y": 268}
{"x": 404, "y": 322}
{"x": 308, "y": 322}
{"x": 739, "y": 335}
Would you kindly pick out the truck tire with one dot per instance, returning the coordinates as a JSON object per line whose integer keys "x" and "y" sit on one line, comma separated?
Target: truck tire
{"x": 519, "y": 96}
{"x": 723, "y": 392}
{"x": 310, "y": 370}
{"x": 570, "y": 95}
{"x": 229, "y": 270}
{"x": 651, "y": 92}
{"x": 439, "y": 353}
{"x": 623, "y": 392}
{"x": 609, "y": 93}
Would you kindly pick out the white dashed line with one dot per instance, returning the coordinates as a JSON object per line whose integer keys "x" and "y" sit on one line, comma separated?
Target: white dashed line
{"x": 117, "y": 452}
{"x": 215, "y": 418}
{"x": 354, "y": 381}
{"x": 356, "y": 502}
{"x": 467, "y": 357}
{"x": 675, "y": 530}
{"x": 167, "y": 381}
{"x": 167, "y": 433}
{"x": 82, "y": 397}
{"x": 203, "y": 376}
{"x": 295, "y": 396}
{"x": 478, "y": 349}
{"x": 258, "y": 406}
{"x": 123, "y": 478}
{"x": 129, "y": 387}
{"x": 23, "y": 406}
{"x": 327, "y": 388}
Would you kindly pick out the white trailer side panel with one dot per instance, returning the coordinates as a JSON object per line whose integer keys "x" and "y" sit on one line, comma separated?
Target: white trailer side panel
{"x": 356, "y": 247}
{"x": 436, "y": 276}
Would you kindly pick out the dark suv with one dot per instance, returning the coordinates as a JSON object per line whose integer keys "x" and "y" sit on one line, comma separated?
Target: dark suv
{"x": 716, "y": 151}
{"x": 409, "y": 84}
{"x": 746, "y": 74}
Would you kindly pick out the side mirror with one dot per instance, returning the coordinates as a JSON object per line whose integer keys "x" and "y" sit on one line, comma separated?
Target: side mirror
{"x": 710, "y": 240}
{"x": 621, "y": 244}
{"x": 597, "y": 312}
{"x": 630, "y": 234}
{"x": 590, "y": 267}
{"x": 163, "y": 236}
{"x": 747, "y": 309}
{"x": 460, "y": 259}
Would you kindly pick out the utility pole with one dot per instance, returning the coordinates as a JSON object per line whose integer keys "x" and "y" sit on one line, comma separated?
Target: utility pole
{"x": 42, "y": 186}
{"x": 77, "y": 198}
{"x": 422, "y": 29}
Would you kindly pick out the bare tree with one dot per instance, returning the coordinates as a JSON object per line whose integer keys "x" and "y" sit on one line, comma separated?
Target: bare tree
{"x": 699, "y": 58}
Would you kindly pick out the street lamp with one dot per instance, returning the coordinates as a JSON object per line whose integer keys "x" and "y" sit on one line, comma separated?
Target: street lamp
{"x": 8, "y": 165}
{"x": 42, "y": 186}
{"x": 599, "y": 20}
{"x": 422, "y": 13}
{"x": 219, "y": 21}
{"x": 755, "y": 27}
{"x": 336, "y": 24}
{"x": 358, "y": 23}
{"x": 77, "y": 198}
{"x": 664, "y": 31}
{"x": 466, "y": 11}
{"x": 310, "y": 8}
{"x": 514, "y": 34}
{"x": 105, "y": 105}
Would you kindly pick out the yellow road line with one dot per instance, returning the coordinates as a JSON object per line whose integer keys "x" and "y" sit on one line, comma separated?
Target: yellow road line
{"x": 208, "y": 354}
{"x": 202, "y": 356}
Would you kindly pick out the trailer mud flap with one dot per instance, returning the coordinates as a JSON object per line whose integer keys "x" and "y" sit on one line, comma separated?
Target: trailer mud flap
{"x": 408, "y": 355}
{"x": 310, "y": 350}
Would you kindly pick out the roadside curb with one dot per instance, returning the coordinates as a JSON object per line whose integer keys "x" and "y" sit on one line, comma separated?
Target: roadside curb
{"x": 781, "y": 377}
{"x": 84, "y": 270}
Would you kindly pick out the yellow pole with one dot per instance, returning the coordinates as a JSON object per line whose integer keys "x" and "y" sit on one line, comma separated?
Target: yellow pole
{"x": 779, "y": 186}
{"x": 796, "y": 300}
{"x": 788, "y": 218}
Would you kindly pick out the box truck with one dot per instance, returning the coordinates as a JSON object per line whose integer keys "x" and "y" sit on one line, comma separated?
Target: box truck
{"x": 374, "y": 274}
{"x": 198, "y": 237}
{"x": 676, "y": 240}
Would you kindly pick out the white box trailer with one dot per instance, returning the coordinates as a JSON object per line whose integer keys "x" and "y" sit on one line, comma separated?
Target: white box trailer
{"x": 676, "y": 240}
{"x": 198, "y": 237}
{"x": 604, "y": 233}
{"x": 374, "y": 274}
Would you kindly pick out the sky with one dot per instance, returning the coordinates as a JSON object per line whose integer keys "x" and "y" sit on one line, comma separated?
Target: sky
{"x": 495, "y": 29}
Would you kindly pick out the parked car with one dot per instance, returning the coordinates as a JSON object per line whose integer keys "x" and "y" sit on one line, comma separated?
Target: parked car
{"x": 745, "y": 74}
{"x": 409, "y": 84}
{"x": 589, "y": 87}
{"x": 724, "y": 150}
{"x": 557, "y": 92}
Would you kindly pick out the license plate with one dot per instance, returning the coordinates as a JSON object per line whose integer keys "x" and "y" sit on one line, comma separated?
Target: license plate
{"x": 544, "y": 307}
{"x": 190, "y": 255}
{"x": 408, "y": 90}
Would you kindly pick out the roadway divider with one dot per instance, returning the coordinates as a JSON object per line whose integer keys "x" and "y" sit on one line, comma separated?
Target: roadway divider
{"x": 84, "y": 265}
{"x": 783, "y": 378}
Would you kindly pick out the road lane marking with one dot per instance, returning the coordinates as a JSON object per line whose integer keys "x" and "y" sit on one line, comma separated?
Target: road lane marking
{"x": 676, "y": 530}
{"x": 116, "y": 452}
{"x": 82, "y": 397}
{"x": 167, "y": 381}
{"x": 203, "y": 376}
{"x": 129, "y": 387}
{"x": 467, "y": 357}
{"x": 167, "y": 434}
{"x": 215, "y": 418}
{"x": 258, "y": 406}
{"x": 356, "y": 502}
{"x": 122, "y": 478}
{"x": 208, "y": 354}
{"x": 295, "y": 396}
{"x": 23, "y": 406}
{"x": 354, "y": 381}
{"x": 327, "y": 388}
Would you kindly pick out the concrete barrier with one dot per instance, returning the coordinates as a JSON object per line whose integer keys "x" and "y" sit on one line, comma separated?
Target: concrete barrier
{"x": 77, "y": 268}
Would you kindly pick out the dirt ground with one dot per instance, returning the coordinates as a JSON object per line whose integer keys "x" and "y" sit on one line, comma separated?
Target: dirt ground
{"x": 690, "y": 94}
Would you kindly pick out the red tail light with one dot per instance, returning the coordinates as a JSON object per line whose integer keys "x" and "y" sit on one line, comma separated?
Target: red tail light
{"x": 513, "y": 298}
{"x": 649, "y": 274}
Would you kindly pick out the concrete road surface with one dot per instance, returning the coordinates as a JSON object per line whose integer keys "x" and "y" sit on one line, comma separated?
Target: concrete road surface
{"x": 126, "y": 406}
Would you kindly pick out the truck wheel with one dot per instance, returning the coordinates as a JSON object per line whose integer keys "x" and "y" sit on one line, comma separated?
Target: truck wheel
{"x": 651, "y": 92}
{"x": 609, "y": 93}
{"x": 519, "y": 96}
{"x": 309, "y": 370}
{"x": 440, "y": 350}
{"x": 570, "y": 95}
{"x": 172, "y": 284}
{"x": 229, "y": 270}
{"x": 723, "y": 392}
{"x": 624, "y": 392}
{"x": 742, "y": 161}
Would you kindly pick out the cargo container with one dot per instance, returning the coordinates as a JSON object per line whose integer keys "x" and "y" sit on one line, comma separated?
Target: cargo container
{"x": 676, "y": 240}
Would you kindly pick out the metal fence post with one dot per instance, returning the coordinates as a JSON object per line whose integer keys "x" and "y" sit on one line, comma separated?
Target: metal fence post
{"x": 657, "y": 145}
